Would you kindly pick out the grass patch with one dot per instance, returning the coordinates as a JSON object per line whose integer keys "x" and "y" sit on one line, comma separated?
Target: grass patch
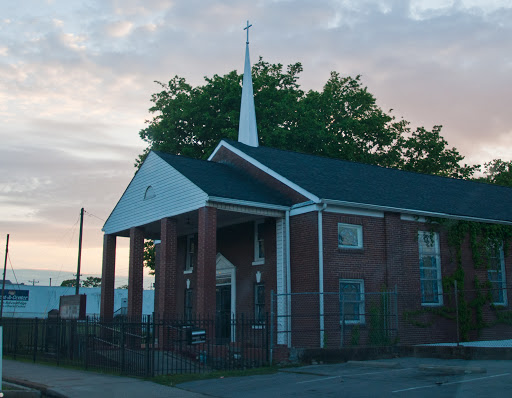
{"x": 172, "y": 380}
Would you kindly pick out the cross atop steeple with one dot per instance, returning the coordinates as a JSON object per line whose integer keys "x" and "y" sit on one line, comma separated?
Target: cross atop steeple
{"x": 247, "y": 29}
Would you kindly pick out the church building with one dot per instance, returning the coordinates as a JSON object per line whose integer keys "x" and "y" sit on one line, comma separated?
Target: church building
{"x": 253, "y": 220}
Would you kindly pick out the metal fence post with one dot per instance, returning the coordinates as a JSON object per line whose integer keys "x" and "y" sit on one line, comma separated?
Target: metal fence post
{"x": 122, "y": 346}
{"x": 147, "y": 351}
{"x": 36, "y": 332}
{"x": 86, "y": 342}
{"x": 271, "y": 325}
{"x": 396, "y": 311}
{"x": 456, "y": 309}
{"x": 342, "y": 320}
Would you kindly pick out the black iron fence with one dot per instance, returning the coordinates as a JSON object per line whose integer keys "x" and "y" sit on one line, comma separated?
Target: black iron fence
{"x": 141, "y": 348}
{"x": 481, "y": 316}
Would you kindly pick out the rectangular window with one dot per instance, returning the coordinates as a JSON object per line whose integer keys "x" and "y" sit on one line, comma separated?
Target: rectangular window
{"x": 188, "y": 304}
{"x": 259, "y": 303}
{"x": 259, "y": 243}
{"x": 430, "y": 268}
{"x": 191, "y": 259}
{"x": 350, "y": 236}
{"x": 496, "y": 275}
{"x": 352, "y": 300}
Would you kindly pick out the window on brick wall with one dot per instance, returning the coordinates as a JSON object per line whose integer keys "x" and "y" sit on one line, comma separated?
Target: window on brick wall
{"x": 191, "y": 259}
{"x": 496, "y": 274}
{"x": 430, "y": 268}
{"x": 259, "y": 243}
{"x": 350, "y": 236}
{"x": 259, "y": 303}
{"x": 352, "y": 300}
{"x": 188, "y": 304}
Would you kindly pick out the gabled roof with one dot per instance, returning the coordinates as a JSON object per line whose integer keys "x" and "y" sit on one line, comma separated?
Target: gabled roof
{"x": 374, "y": 186}
{"x": 223, "y": 181}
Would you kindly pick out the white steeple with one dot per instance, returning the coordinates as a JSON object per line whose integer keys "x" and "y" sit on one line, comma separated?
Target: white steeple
{"x": 247, "y": 130}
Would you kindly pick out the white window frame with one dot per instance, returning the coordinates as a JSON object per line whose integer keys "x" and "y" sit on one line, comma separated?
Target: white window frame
{"x": 149, "y": 193}
{"x": 361, "y": 301}
{"x": 358, "y": 230}
{"x": 503, "y": 276}
{"x": 258, "y": 259}
{"x": 257, "y": 304}
{"x": 433, "y": 237}
{"x": 189, "y": 267}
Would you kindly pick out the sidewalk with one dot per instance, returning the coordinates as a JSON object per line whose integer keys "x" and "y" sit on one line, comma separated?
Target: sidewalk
{"x": 61, "y": 382}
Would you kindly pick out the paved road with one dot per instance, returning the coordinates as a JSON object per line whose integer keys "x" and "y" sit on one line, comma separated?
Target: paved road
{"x": 398, "y": 378}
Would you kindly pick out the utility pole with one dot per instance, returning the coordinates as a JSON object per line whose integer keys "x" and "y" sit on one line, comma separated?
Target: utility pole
{"x": 3, "y": 283}
{"x": 79, "y": 251}
{"x": 34, "y": 282}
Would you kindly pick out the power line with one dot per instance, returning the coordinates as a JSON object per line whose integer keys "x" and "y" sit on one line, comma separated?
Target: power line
{"x": 92, "y": 215}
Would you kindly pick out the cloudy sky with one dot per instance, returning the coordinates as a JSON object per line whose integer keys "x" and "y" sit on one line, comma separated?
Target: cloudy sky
{"x": 76, "y": 78}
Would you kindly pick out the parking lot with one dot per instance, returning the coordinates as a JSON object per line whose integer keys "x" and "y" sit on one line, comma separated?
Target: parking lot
{"x": 401, "y": 377}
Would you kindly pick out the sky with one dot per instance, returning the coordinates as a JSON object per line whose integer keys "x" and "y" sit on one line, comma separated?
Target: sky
{"x": 76, "y": 79}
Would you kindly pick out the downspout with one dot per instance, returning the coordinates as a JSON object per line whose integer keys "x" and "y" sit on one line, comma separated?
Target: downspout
{"x": 321, "y": 273}
{"x": 288, "y": 281}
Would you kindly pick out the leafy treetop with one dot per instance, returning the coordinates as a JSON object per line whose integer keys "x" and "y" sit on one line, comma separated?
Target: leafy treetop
{"x": 341, "y": 121}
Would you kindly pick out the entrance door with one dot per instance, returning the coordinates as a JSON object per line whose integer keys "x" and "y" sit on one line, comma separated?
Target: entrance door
{"x": 223, "y": 314}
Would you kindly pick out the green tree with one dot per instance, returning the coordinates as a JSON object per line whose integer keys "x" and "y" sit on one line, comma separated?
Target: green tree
{"x": 498, "y": 172}
{"x": 149, "y": 256}
{"x": 92, "y": 281}
{"x": 341, "y": 121}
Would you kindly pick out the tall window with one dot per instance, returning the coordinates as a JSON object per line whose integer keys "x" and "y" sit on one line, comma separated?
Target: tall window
{"x": 259, "y": 303}
{"x": 259, "y": 243}
{"x": 352, "y": 300}
{"x": 188, "y": 304}
{"x": 496, "y": 275}
{"x": 430, "y": 268}
{"x": 191, "y": 259}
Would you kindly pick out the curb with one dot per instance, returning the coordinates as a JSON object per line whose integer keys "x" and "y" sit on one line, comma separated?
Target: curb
{"x": 44, "y": 389}
{"x": 451, "y": 370}
{"x": 375, "y": 364}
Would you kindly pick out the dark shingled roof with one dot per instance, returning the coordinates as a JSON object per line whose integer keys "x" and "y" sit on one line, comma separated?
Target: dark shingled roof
{"x": 223, "y": 180}
{"x": 391, "y": 188}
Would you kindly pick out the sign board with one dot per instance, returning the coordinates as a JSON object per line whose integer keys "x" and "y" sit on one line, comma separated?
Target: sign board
{"x": 72, "y": 307}
{"x": 196, "y": 336}
{"x": 15, "y": 298}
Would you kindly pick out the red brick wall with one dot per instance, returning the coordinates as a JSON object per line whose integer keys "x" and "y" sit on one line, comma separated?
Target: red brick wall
{"x": 389, "y": 257}
{"x": 304, "y": 278}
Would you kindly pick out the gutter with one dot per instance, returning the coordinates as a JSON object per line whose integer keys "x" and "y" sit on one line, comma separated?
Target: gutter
{"x": 412, "y": 212}
{"x": 321, "y": 273}
{"x": 288, "y": 281}
{"x": 247, "y": 203}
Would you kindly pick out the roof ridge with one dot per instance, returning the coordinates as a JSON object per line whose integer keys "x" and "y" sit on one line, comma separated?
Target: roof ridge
{"x": 394, "y": 169}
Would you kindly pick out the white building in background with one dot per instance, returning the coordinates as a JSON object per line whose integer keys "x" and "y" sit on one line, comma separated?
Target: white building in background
{"x": 22, "y": 301}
